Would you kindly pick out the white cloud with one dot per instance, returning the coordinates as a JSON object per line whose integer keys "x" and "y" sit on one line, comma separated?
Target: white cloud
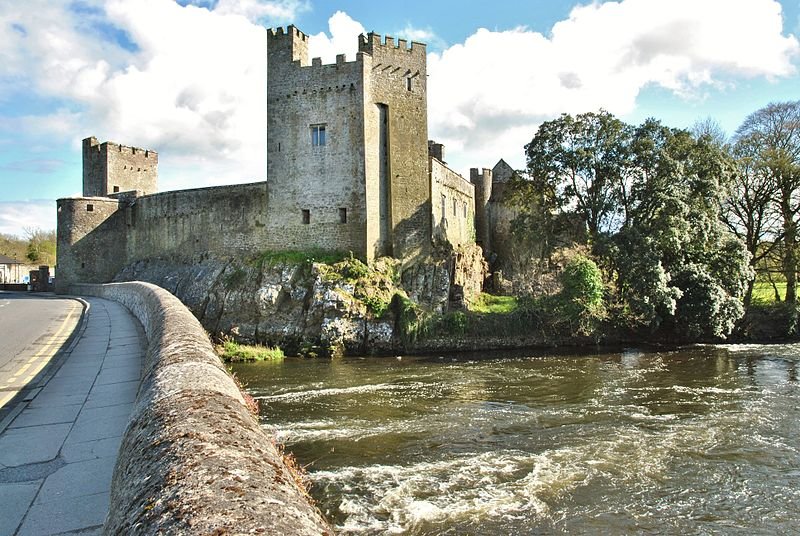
{"x": 191, "y": 86}
{"x": 343, "y": 39}
{"x": 488, "y": 95}
{"x": 422, "y": 35}
{"x": 257, "y": 10}
{"x": 16, "y": 216}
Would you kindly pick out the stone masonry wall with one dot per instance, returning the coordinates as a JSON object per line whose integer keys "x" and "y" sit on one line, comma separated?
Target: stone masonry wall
{"x": 482, "y": 180}
{"x": 193, "y": 460}
{"x": 500, "y": 214}
{"x": 453, "y": 198}
{"x": 223, "y": 220}
{"x": 91, "y": 239}
{"x": 398, "y": 79}
{"x": 317, "y": 192}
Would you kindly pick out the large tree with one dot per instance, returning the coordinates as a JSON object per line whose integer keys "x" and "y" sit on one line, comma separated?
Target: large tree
{"x": 650, "y": 197}
{"x": 581, "y": 163}
{"x": 774, "y": 134}
{"x": 748, "y": 210}
{"x": 676, "y": 266}
{"x": 41, "y": 246}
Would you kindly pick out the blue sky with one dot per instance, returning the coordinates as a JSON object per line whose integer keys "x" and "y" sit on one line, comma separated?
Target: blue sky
{"x": 187, "y": 78}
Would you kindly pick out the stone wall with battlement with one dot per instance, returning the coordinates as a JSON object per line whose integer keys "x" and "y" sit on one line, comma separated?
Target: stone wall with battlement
{"x": 98, "y": 236}
{"x": 373, "y": 164}
{"x": 398, "y": 83}
{"x": 315, "y": 146}
{"x": 348, "y": 170}
{"x": 110, "y": 168}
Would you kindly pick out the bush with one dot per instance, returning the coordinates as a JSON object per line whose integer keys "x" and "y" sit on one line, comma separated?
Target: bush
{"x": 232, "y": 351}
{"x": 582, "y": 285}
{"x": 490, "y": 304}
{"x": 705, "y": 309}
{"x": 580, "y": 304}
{"x": 456, "y": 323}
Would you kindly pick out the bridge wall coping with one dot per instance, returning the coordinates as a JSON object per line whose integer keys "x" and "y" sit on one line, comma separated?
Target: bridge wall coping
{"x": 193, "y": 458}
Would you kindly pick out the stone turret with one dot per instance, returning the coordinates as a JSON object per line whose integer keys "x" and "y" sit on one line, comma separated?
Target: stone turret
{"x": 286, "y": 47}
{"x": 482, "y": 179}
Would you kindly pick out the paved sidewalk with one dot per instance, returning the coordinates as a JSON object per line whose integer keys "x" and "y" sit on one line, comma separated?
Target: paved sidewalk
{"x": 58, "y": 454}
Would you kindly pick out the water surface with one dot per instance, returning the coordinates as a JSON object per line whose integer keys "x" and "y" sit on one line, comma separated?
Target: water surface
{"x": 696, "y": 441}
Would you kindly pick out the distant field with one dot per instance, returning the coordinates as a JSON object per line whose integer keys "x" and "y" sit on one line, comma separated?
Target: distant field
{"x": 764, "y": 293}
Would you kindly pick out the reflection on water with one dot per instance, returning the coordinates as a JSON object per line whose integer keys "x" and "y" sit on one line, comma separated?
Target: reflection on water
{"x": 697, "y": 441}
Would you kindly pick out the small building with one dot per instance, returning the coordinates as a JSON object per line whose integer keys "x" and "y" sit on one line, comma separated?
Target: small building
{"x": 12, "y": 270}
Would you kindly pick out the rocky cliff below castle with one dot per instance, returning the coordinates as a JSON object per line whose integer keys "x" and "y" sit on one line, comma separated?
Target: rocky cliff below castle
{"x": 314, "y": 304}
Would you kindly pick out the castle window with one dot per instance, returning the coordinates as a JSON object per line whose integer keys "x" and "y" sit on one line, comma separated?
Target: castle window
{"x": 89, "y": 208}
{"x": 408, "y": 83}
{"x": 465, "y": 210}
{"x": 116, "y": 189}
{"x": 318, "y": 135}
{"x": 444, "y": 207}
{"x": 455, "y": 207}
{"x": 306, "y": 216}
{"x": 342, "y": 215}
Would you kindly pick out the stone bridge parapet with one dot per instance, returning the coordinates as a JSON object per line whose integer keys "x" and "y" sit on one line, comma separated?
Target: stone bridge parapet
{"x": 193, "y": 460}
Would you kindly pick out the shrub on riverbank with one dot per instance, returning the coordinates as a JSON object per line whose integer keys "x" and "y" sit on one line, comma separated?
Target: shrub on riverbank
{"x": 234, "y": 352}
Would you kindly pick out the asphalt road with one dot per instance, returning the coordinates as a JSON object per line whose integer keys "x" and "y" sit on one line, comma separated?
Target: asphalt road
{"x": 33, "y": 327}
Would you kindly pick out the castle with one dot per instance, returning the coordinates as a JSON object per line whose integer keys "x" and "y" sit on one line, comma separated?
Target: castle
{"x": 349, "y": 168}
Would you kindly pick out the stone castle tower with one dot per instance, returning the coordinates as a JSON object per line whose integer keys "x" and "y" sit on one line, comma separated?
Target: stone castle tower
{"x": 109, "y": 168}
{"x": 347, "y": 147}
{"x": 348, "y": 169}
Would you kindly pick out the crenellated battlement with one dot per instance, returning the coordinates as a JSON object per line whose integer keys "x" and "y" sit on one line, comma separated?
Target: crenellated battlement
{"x": 291, "y": 31}
{"x": 373, "y": 42}
{"x": 91, "y": 144}
{"x": 286, "y": 48}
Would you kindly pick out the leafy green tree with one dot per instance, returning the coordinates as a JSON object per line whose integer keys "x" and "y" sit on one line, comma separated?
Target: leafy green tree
{"x": 579, "y": 307}
{"x": 676, "y": 266}
{"x": 651, "y": 197}
{"x": 773, "y": 132}
{"x": 581, "y": 162}
{"x": 41, "y": 246}
{"x": 582, "y": 286}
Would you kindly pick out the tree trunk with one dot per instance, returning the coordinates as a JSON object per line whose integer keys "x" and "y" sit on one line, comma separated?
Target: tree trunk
{"x": 748, "y": 295}
{"x": 790, "y": 262}
{"x": 790, "y": 244}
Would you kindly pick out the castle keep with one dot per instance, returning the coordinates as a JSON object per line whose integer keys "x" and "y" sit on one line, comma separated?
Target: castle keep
{"x": 349, "y": 168}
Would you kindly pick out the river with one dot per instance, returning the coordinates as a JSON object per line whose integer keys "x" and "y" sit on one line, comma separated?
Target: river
{"x": 702, "y": 440}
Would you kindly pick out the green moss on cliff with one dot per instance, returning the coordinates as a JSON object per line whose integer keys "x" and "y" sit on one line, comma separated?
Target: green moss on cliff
{"x": 373, "y": 286}
{"x": 273, "y": 258}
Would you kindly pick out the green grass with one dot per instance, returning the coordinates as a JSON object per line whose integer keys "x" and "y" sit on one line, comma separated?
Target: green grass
{"x": 489, "y": 304}
{"x": 763, "y": 293}
{"x": 234, "y": 352}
